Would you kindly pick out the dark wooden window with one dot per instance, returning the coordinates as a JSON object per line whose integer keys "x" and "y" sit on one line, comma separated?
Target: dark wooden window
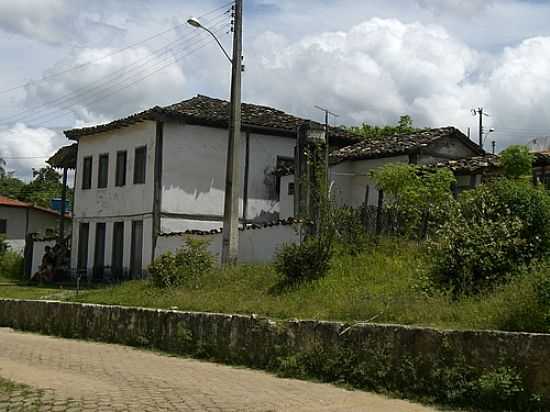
{"x": 99, "y": 251}
{"x": 118, "y": 250}
{"x": 136, "y": 249}
{"x": 83, "y": 234}
{"x": 140, "y": 160}
{"x": 87, "y": 173}
{"x": 103, "y": 171}
{"x": 291, "y": 189}
{"x": 121, "y": 168}
{"x": 3, "y": 226}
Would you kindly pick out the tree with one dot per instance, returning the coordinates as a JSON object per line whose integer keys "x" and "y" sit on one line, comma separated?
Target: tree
{"x": 404, "y": 125}
{"x": 517, "y": 161}
{"x": 2, "y": 167}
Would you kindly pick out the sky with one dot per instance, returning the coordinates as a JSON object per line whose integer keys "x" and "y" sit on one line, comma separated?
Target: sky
{"x": 73, "y": 63}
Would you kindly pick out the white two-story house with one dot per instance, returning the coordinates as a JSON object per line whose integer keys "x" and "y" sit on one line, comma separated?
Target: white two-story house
{"x": 162, "y": 171}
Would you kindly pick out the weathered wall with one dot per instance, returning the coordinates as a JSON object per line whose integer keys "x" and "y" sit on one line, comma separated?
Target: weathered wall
{"x": 193, "y": 174}
{"x": 262, "y": 342}
{"x": 16, "y": 218}
{"x": 115, "y": 204}
{"x": 255, "y": 245}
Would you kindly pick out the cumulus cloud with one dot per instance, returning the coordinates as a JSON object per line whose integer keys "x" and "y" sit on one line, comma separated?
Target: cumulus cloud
{"x": 24, "y": 148}
{"x": 374, "y": 72}
{"x": 111, "y": 87}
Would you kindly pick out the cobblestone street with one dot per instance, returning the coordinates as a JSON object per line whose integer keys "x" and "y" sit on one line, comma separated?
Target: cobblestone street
{"x": 69, "y": 375}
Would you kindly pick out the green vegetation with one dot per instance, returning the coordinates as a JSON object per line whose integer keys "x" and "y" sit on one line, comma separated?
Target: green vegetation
{"x": 517, "y": 161}
{"x": 404, "y": 125}
{"x": 389, "y": 282}
{"x": 46, "y": 184}
{"x": 183, "y": 268}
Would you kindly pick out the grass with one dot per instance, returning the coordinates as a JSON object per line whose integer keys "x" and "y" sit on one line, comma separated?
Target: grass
{"x": 386, "y": 284}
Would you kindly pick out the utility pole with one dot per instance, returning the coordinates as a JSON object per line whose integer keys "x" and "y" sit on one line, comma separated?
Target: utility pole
{"x": 327, "y": 114}
{"x": 480, "y": 111}
{"x": 230, "y": 242}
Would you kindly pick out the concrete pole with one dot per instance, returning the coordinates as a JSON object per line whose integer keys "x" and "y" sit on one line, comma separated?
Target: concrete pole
{"x": 230, "y": 244}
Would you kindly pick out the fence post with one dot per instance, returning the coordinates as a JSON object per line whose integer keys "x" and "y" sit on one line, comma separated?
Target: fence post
{"x": 366, "y": 210}
{"x": 28, "y": 254}
{"x": 379, "y": 212}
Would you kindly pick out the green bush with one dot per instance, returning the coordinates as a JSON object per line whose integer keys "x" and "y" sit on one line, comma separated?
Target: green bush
{"x": 187, "y": 265}
{"x": 495, "y": 231}
{"x": 11, "y": 265}
{"x": 350, "y": 231}
{"x": 301, "y": 262}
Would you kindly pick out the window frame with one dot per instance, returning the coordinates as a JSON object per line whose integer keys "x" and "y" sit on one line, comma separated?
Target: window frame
{"x": 103, "y": 178}
{"x": 121, "y": 168}
{"x": 140, "y": 174}
{"x": 87, "y": 165}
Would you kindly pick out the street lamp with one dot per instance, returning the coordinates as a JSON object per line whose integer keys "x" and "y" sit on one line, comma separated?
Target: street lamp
{"x": 230, "y": 241}
{"x": 194, "y": 22}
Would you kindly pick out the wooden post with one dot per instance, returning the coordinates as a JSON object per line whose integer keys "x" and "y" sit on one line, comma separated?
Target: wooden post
{"x": 379, "y": 212}
{"x": 366, "y": 209}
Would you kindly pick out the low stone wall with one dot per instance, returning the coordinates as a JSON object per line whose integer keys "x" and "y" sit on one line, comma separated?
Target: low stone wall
{"x": 261, "y": 342}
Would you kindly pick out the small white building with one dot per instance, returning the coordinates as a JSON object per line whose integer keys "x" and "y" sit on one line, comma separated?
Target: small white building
{"x": 350, "y": 166}
{"x": 162, "y": 172}
{"x": 18, "y": 219}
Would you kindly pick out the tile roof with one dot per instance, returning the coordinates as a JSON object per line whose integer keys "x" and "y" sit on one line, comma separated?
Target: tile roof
{"x": 6, "y": 201}
{"x": 399, "y": 144}
{"x": 208, "y": 111}
{"x": 470, "y": 165}
{"x": 64, "y": 157}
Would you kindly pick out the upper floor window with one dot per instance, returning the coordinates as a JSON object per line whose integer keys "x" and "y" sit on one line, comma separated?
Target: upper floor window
{"x": 140, "y": 160}
{"x": 103, "y": 171}
{"x": 87, "y": 173}
{"x": 121, "y": 168}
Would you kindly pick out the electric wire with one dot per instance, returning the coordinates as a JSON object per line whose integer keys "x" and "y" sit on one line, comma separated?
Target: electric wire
{"x": 85, "y": 64}
{"x": 200, "y": 45}
{"x": 107, "y": 80}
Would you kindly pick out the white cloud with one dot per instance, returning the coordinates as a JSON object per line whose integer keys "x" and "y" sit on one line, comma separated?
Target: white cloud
{"x": 460, "y": 7}
{"x": 19, "y": 144}
{"x": 374, "y": 72}
{"x": 112, "y": 87}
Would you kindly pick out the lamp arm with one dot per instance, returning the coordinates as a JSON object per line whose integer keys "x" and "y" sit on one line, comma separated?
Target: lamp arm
{"x": 219, "y": 43}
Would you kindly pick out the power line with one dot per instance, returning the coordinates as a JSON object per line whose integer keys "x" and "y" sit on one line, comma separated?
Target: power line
{"x": 63, "y": 110}
{"x": 82, "y": 65}
{"x": 110, "y": 78}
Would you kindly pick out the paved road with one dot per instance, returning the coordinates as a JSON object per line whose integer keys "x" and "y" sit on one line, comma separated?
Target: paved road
{"x": 69, "y": 375}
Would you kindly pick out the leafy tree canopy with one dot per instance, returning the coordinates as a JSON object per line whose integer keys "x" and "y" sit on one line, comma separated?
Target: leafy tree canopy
{"x": 46, "y": 185}
{"x": 404, "y": 125}
{"x": 516, "y": 161}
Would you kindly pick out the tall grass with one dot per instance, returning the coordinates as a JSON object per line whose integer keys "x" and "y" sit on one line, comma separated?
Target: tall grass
{"x": 387, "y": 284}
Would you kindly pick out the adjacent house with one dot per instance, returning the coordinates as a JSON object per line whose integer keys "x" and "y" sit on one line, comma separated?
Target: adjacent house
{"x": 18, "y": 219}
{"x": 162, "y": 171}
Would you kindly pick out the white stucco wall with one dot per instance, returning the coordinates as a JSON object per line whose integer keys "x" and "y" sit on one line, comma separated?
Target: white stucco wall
{"x": 193, "y": 177}
{"x": 255, "y": 246}
{"x": 115, "y": 204}
{"x": 38, "y": 253}
{"x": 350, "y": 180}
{"x": 38, "y": 222}
{"x": 286, "y": 200}
{"x": 16, "y": 218}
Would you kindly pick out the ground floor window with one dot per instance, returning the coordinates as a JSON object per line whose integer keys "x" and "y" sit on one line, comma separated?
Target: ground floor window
{"x": 99, "y": 251}
{"x": 3, "y": 226}
{"x": 136, "y": 250}
{"x": 117, "y": 259}
{"x": 83, "y": 235}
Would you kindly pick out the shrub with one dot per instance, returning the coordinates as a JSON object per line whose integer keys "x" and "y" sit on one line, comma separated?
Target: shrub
{"x": 307, "y": 261}
{"x": 189, "y": 262}
{"x": 350, "y": 231}
{"x": 516, "y": 161}
{"x": 496, "y": 230}
{"x": 11, "y": 265}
